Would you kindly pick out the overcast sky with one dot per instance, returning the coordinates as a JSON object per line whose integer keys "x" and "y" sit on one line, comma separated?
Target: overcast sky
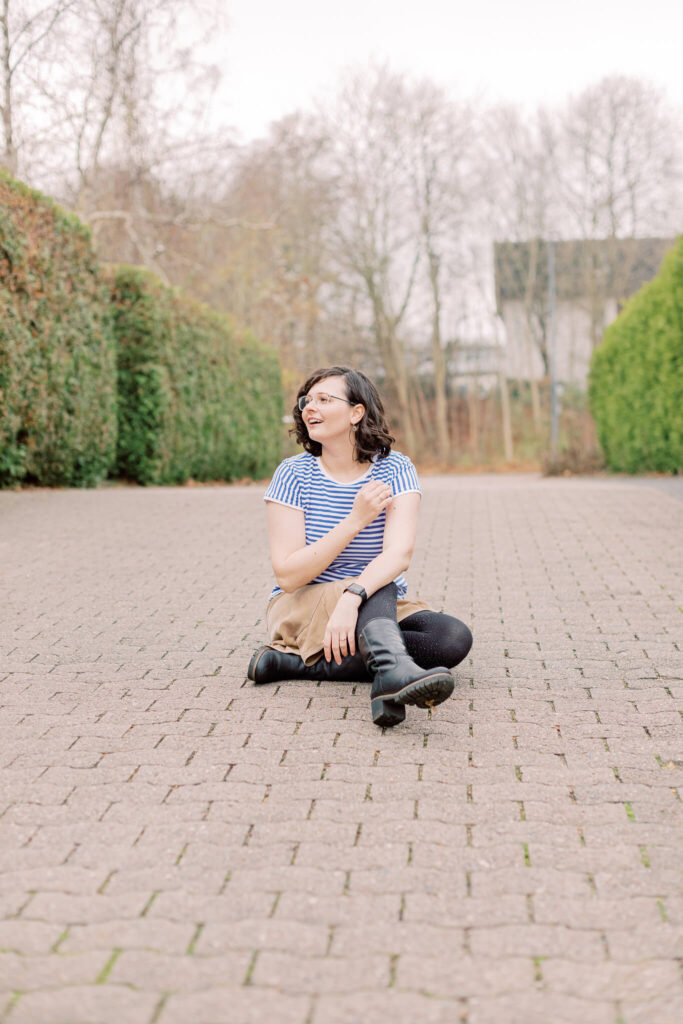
{"x": 282, "y": 54}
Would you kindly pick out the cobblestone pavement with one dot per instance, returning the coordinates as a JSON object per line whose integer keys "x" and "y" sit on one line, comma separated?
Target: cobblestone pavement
{"x": 178, "y": 846}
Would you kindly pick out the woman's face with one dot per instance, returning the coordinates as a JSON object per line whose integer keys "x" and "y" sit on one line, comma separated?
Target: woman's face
{"x": 327, "y": 420}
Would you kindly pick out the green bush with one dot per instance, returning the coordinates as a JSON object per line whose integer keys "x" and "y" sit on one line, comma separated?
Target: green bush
{"x": 198, "y": 397}
{"x": 636, "y": 377}
{"x": 57, "y": 358}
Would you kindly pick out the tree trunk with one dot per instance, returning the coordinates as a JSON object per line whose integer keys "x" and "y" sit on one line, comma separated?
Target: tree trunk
{"x": 393, "y": 361}
{"x": 473, "y": 408}
{"x": 505, "y": 411}
{"x": 439, "y": 360}
{"x": 9, "y": 156}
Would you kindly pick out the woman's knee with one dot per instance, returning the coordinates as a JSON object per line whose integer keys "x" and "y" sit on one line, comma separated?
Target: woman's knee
{"x": 455, "y": 640}
{"x": 461, "y": 641}
{"x": 434, "y": 638}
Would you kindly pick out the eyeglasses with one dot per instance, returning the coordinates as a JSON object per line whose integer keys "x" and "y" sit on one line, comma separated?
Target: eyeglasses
{"x": 320, "y": 399}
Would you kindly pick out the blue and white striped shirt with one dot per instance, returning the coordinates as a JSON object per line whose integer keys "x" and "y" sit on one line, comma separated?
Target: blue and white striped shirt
{"x": 301, "y": 482}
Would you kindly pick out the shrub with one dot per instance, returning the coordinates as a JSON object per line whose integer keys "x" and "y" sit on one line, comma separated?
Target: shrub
{"x": 57, "y": 358}
{"x": 199, "y": 397}
{"x": 636, "y": 377}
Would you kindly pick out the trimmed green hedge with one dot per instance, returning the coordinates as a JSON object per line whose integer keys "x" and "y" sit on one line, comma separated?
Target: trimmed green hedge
{"x": 57, "y": 358}
{"x": 198, "y": 397}
{"x": 636, "y": 377}
{"x": 112, "y": 373}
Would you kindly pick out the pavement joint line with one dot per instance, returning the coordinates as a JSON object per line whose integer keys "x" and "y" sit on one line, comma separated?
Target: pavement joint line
{"x": 106, "y": 970}
{"x": 251, "y": 968}
{"x": 199, "y": 928}
{"x": 159, "y": 1008}
{"x": 13, "y": 1000}
{"x": 60, "y": 940}
{"x": 150, "y": 902}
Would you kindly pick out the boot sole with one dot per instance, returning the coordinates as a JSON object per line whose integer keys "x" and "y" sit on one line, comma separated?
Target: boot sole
{"x": 387, "y": 713}
{"x": 426, "y": 692}
{"x": 251, "y": 670}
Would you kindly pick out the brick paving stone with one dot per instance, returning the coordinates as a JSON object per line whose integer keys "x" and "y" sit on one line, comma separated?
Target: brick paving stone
{"x": 297, "y": 974}
{"x": 141, "y": 933}
{"x": 160, "y": 972}
{"x": 626, "y": 982}
{"x": 463, "y": 976}
{"x": 179, "y": 845}
{"x": 27, "y": 973}
{"x": 667, "y": 1009}
{"x": 94, "y": 1004}
{"x": 349, "y": 909}
{"x": 222, "y": 1005}
{"x": 287, "y": 935}
{"x": 536, "y": 940}
{"x": 28, "y": 937}
{"x": 378, "y": 1008}
{"x": 540, "y": 1008}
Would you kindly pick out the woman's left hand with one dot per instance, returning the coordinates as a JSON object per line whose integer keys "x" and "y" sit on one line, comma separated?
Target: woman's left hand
{"x": 340, "y": 634}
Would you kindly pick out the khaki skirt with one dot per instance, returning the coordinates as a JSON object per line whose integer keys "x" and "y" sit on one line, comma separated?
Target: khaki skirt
{"x": 296, "y": 622}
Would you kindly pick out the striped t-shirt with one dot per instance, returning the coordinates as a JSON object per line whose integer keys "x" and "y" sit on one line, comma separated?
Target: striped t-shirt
{"x": 301, "y": 482}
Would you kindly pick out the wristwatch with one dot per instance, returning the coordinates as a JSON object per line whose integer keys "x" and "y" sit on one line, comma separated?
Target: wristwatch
{"x": 359, "y": 591}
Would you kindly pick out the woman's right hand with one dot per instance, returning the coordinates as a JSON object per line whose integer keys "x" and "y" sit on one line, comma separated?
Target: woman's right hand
{"x": 371, "y": 501}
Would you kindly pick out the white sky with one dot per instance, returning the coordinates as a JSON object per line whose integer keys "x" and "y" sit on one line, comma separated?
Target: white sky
{"x": 283, "y": 54}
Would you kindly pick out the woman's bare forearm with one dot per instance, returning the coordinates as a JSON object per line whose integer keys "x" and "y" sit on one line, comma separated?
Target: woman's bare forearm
{"x": 304, "y": 565}
{"x": 383, "y": 569}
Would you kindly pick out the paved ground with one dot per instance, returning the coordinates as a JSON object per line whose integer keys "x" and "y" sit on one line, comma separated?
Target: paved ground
{"x": 178, "y": 846}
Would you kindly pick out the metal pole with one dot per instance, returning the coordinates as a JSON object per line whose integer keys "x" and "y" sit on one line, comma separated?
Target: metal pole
{"x": 552, "y": 349}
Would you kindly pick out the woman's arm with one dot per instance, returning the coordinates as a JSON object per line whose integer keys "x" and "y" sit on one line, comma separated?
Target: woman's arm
{"x": 397, "y": 549}
{"x": 294, "y": 562}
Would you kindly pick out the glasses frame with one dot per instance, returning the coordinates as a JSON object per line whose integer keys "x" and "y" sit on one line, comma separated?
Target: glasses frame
{"x": 308, "y": 399}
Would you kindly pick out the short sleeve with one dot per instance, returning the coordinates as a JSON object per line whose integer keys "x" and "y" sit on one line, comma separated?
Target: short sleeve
{"x": 404, "y": 477}
{"x": 284, "y": 488}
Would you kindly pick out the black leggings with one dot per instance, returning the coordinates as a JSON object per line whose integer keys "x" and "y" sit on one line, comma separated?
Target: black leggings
{"x": 432, "y": 638}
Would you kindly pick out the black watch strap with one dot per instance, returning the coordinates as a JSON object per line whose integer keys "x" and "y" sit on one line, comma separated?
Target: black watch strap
{"x": 356, "y": 588}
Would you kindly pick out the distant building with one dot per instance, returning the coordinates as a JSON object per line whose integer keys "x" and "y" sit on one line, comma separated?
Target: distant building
{"x": 593, "y": 278}
{"x": 475, "y": 365}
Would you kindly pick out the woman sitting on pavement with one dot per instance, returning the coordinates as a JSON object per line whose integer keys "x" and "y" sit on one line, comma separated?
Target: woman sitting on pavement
{"x": 342, "y": 520}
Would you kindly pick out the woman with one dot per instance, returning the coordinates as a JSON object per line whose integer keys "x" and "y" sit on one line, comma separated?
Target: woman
{"x": 342, "y": 519}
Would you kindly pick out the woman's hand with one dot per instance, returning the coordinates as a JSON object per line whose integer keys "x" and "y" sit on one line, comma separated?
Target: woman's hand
{"x": 370, "y": 501}
{"x": 340, "y": 634}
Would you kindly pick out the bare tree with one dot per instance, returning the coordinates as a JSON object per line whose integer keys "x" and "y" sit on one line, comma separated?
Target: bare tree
{"x": 117, "y": 103}
{"x": 25, "y": 27}
{"x": 523, "y": 208}
{"x": 616, "y": 157}
{"x": 617, "y": 160}
{"x": 376, "y": 240}
{"x": 444, "y": 167}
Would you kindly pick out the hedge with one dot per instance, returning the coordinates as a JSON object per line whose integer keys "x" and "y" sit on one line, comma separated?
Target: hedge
{"x": 198, "y": 397}
{"x": 636, "y": 377}
{"x": 57, "y": 358}
{"x": 107, "y": 372}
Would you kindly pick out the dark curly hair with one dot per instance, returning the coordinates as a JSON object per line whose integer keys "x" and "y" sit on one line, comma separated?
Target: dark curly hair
{"x": 372, "y": 435}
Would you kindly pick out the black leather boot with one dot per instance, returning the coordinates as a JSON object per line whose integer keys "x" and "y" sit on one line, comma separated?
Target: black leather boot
{"x": 396, "y": 678}
{"x": 269, "y": 666}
